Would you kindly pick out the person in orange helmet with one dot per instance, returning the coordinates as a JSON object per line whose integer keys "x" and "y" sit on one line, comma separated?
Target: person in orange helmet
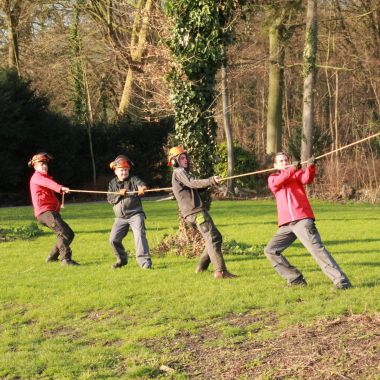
{"x": 192, "y": 209}
{"x": 129, "y": 213}
{"x": 47, "y": 207}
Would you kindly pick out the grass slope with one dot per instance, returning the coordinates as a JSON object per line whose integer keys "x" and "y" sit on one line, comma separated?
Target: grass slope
{"x": 92, "y": 322}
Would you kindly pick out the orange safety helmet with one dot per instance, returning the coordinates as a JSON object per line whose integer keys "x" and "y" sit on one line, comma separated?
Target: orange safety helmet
{"x": 173, "y": 153}
{"x": 39, "y": 157}
{"x": 121, "y": 162}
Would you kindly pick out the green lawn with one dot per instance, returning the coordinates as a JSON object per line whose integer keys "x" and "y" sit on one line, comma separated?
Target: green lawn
{"x": 92, "y": 322}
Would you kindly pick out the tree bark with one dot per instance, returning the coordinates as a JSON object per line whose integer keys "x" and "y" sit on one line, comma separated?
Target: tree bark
{"x": 12, "y": 15}
{"x": 136, "y": 55}
{"x": 89, "y": 122}
{"x": 81, "y": 93}
{"x": 276, "y": 84}
{"x": 228, "y": 128}
{"x": 310, "y": 53}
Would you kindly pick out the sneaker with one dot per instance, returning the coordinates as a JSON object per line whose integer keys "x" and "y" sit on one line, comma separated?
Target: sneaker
{"x": 118, "y": 264}
{"x": 223, "y": 274}
{"x": 70, "y": 262}
{"x": 299, "y": 281}
{"x": 51, "y": 259}
{"x": 344, "y": 284}
{"x": 199, "y": 269}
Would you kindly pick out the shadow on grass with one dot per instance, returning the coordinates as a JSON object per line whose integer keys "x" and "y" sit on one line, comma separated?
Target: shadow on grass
{"x": 346, "y": 219}
{"x": 366, "y": 264}
{"x": 247, "y": 224}
{"x": 351, "y": 253}
{"x": 231, "y": 258}
{"x": 337, "y": 242}
{"x": 367, "y": 284}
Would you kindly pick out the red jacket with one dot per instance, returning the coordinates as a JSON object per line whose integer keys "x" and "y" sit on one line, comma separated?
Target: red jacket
{"x": 42, "y": 188}
{"x": 288, "y": 187}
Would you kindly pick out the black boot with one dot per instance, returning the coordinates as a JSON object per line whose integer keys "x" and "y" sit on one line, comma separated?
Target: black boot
{"x": 299, "y": 281}
{"x": 69, "y": 262}
{"x": 118, "y": 264}
{"x": 51, "y": 259}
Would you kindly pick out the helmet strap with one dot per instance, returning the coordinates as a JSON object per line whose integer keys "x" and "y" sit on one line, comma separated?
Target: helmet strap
{"x": 174, "y": 162}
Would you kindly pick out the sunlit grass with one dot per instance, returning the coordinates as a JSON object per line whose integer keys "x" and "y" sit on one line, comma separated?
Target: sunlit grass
{"x": 91, "y": 322}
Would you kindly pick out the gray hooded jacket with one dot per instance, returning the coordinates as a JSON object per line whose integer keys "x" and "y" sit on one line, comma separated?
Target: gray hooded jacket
{"x": 185, "y": 191}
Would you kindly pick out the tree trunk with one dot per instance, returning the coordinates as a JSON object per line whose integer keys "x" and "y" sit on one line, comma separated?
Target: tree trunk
{"x": 136, "y": 55}
{"x": 12, "y": 15}
{"x": 309, "y": 71}
{"x": 89, "y": 122}
{"x": 228, "y": 129}
{"x": 275, "y": 91}
{"x": 81, "y": 93}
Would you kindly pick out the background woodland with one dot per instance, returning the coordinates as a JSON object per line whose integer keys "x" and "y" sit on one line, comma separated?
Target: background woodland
{"x": 88, "y": 80}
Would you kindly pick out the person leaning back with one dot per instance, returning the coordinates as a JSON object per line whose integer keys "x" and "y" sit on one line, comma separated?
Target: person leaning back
{"x": 185, "y": 189}
{"x": 47, "y": 208}
{"x": 296, "y": 220}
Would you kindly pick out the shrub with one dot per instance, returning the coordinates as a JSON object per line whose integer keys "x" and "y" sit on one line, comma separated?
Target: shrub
{"x": 245, "y": 162}
{"x": 28, "y": 232}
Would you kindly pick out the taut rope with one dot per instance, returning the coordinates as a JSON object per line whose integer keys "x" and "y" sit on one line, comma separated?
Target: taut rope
{"x": 304, "y": 162}
{"x": 222, "y": 179}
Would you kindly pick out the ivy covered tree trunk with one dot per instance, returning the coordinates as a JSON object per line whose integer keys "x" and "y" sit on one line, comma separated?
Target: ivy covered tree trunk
{"x": 309, "y": 72}
{"x": 199, "y": 33}
{"x": 198, "y": 36}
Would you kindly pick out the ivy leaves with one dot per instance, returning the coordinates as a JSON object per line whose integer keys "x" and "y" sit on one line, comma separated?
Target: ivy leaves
{"x": 198, "y": 36}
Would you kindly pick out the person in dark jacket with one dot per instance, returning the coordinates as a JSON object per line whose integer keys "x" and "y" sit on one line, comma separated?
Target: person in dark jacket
{"x": 296, "y": 220}
{"x": 185, "y": 189}
{"x": 47, "y": 208}
{"x": 129, "y": 213}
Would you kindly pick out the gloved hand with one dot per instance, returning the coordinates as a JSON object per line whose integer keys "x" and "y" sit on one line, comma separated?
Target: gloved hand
{"x": 311, "y": 160}
{"x": 141, "y": 191}
{"x": 123, "y": 192}
{"x": 297, "y": 164}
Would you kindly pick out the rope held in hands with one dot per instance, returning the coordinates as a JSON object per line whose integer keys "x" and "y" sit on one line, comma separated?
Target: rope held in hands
{"x": 111, "y": 192}
{"x": 222, "y": 179}
{"x": 304, "y": 162}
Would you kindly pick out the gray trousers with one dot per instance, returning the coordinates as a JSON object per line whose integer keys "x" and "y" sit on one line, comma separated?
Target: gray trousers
{"x": 213, "y": 241}
{"x": 306, "y": 231}
{"x": 65, "y": 234}
{"x": 120, "y": 230}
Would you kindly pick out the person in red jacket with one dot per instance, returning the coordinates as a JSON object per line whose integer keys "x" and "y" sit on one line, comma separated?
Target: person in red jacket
{"x": 47, "y": 207}
{"x": 296, "y": 220}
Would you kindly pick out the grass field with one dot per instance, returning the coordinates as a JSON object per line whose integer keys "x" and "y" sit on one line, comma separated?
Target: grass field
{"x": 92, "y": 322}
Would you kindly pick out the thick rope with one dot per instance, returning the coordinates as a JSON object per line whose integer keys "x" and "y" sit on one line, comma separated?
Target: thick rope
{"x": 117, "y": 193}
{"x": 226, "y": 178}
{"x": 304, "y": 162}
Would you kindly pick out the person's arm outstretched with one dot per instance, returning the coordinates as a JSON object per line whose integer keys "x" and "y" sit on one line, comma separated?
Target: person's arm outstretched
{"x": 194, "y": 183}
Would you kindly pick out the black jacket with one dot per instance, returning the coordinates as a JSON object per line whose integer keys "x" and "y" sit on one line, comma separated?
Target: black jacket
{"x": 125, "y": 207}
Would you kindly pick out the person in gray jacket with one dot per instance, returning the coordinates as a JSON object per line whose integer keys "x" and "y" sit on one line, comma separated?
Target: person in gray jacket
{"x": 185, "y": 189}
{"x": 129, "y": 213}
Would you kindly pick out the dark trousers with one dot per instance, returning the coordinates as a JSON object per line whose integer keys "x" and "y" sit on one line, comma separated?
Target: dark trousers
{"x": 65, "y": 234}
{"x": 213, "y": 241}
